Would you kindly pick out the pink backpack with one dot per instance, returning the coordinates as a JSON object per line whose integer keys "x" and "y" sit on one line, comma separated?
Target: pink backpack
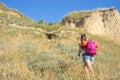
{"x": 91, "y": 47}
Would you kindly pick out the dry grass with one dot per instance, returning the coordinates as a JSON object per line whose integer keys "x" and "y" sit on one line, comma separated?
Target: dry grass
{"x": 27, "y": 56}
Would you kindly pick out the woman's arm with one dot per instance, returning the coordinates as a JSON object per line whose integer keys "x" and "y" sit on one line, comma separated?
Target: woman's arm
{"x": 79, "y": 50}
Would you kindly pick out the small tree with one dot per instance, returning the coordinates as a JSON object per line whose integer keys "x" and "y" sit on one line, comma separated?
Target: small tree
{"x": 41, "y": 21}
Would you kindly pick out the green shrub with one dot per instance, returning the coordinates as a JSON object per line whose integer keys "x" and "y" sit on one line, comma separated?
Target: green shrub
{"x": 46, "y": 61}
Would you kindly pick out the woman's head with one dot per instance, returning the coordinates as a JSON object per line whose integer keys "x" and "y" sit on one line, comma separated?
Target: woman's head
{"x": 83, "y": 37}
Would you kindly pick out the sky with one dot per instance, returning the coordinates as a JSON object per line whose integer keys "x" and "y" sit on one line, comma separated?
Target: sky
{"x": 54, "y": 10}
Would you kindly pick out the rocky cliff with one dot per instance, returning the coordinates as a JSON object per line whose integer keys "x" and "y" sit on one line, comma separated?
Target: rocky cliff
{"x": 104, "y": 21}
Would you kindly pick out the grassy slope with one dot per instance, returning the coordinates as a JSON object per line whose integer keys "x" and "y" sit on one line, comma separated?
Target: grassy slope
{"x": 76, "y": 16}
{"x": 25, "y": 55}
{"x": 12, "y": 16}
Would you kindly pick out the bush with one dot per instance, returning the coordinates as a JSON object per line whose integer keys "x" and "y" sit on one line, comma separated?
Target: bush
{"x": 46, "y": 61}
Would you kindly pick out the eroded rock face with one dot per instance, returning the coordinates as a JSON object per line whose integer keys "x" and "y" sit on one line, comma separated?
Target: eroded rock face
{"x": 101, "y": 21}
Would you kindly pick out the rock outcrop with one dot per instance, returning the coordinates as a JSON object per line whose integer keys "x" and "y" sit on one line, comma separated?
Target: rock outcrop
{"x": 104, "y": 21}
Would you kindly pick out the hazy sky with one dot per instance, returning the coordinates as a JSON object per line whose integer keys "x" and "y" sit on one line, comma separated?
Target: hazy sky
{"x": 55, "y": 10}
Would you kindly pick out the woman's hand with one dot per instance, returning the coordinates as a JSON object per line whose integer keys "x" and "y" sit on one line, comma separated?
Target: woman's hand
{"x": 78, "y": 54}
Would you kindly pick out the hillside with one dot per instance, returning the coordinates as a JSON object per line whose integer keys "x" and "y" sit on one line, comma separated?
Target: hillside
{"x": 28, "y": 54}
{"x": 11, "y": 17}
{"x": 103, "y": 21}
{"x": 25, "y": 55}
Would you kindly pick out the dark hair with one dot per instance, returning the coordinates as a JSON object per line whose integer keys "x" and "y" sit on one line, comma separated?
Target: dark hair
{"x": 83, "y": 36}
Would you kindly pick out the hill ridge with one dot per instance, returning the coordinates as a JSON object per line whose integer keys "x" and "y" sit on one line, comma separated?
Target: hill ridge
{"x": 3, "y": 6}
{"x": 13, "y": 16}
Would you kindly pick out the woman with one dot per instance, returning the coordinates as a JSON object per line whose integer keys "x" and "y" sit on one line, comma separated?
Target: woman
{"x": 87, "y": 59}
